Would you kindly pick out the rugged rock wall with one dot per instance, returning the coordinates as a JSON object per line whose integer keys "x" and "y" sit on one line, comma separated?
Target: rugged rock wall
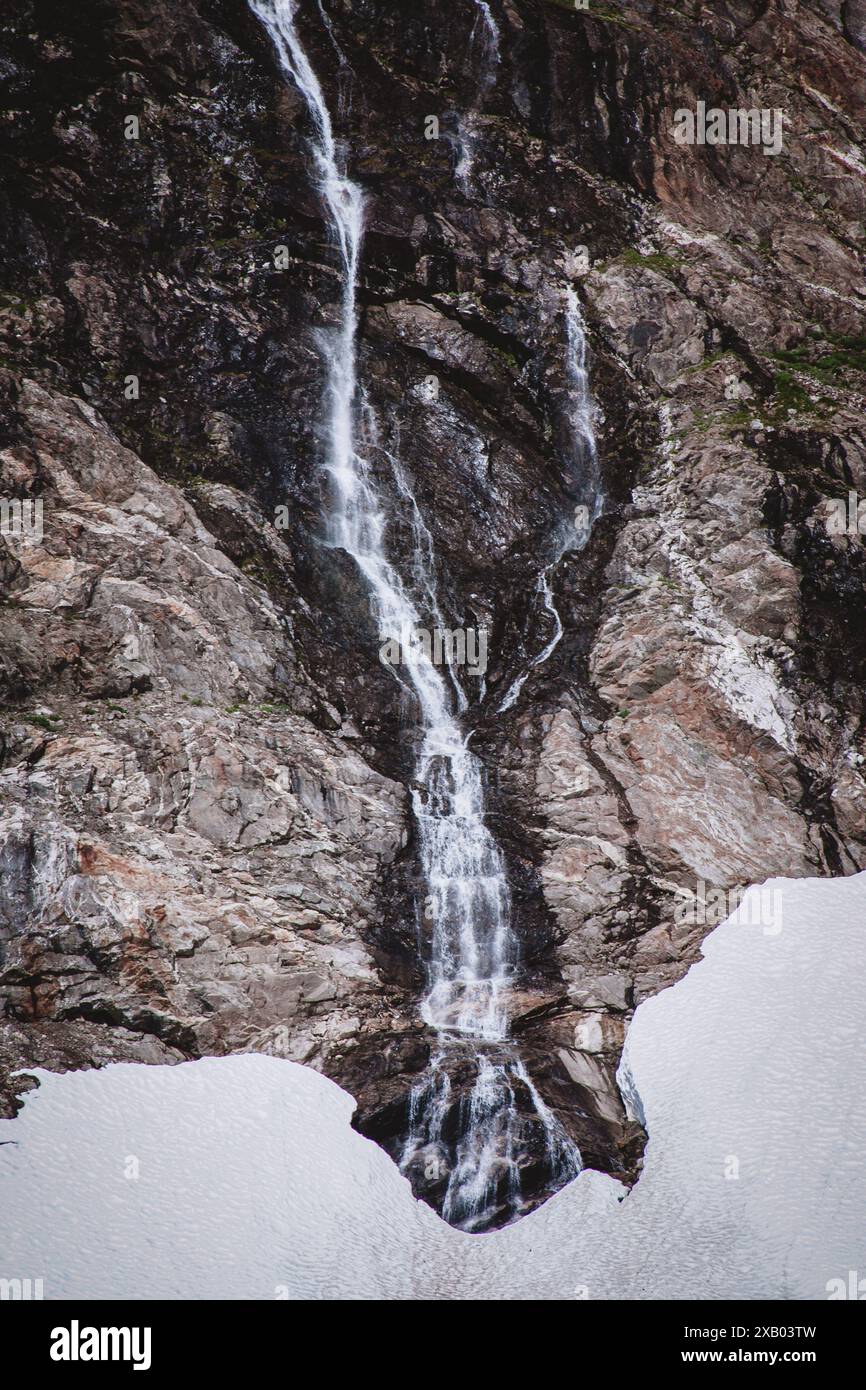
{"x": 206, "y": 843}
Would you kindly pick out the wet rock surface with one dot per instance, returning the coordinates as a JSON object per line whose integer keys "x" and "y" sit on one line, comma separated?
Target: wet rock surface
{"x": 206, "y": 841}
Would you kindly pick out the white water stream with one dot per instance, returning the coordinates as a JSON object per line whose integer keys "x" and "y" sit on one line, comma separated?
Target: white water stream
{"x": 472, "y": 950}
{"x": 484, "y": 39}
{"x": 584, "y": 468}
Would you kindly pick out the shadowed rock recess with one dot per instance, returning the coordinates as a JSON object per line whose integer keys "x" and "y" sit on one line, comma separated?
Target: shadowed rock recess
{"x": 207, "y": 836}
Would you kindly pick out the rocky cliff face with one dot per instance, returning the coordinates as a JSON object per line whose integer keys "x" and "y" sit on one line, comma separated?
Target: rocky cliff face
{"x": 206, "y": 842}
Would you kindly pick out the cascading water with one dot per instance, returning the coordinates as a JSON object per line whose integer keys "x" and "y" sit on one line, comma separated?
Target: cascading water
{"x": 585, "y": 472}
{"x": 544, "y": 588}
{"x": 480, "y": 1138}
{"x": 485, "y": 36}
{"x": 581, "y": 411}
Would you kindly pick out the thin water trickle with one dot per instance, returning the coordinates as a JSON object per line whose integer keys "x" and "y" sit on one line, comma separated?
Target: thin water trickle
{"x": 484, "y": 40}
{"x": 581, "y": 414}
{"x": 584, "y": 471}
{"x": 472, "y": 948}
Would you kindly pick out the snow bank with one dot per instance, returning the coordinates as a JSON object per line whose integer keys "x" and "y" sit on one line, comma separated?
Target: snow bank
{"x": 251, "y": 1184}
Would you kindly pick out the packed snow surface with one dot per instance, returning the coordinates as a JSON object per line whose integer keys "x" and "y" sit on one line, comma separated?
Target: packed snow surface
{"x": 241, "y": 1177}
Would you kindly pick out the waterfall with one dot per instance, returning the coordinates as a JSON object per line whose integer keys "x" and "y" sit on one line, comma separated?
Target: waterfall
{"x": 485, "y": 36}
{"x": 585, "y": 475}
{"x": 486, "y": 25}
{"x": 581, "y": 413}
{"x": 543, "y": 587}
{"x": 468, "y": 903}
